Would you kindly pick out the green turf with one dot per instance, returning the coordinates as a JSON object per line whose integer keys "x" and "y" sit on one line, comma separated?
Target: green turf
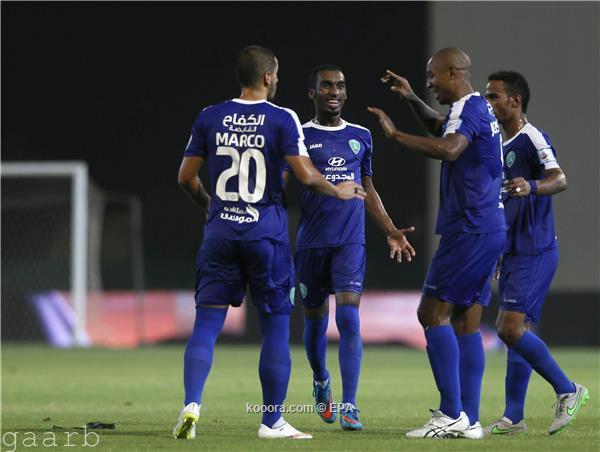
{"x": 141, "y": 390}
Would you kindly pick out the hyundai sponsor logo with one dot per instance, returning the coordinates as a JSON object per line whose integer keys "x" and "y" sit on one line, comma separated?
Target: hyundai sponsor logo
{"x": 336, "y": 161}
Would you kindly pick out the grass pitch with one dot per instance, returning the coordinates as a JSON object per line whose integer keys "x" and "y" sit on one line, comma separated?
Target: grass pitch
{"x": 141, "y": 391}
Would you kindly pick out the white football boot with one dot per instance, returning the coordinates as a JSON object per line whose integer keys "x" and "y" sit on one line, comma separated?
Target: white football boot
{"x": 186, "y": 424}
{"x": 442, "y": 426}
{"x": 475, "y": 431}
{"x": 281, "y": 430}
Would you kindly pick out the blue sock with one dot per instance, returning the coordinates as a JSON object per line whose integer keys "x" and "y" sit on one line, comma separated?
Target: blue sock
{"x": 442, "y": 349}
{"x": 275, "y": 364}
{"x": 472, "y": 364}
{"x": 350, "y": 350}
{"x": 535, "y": 352}
{"x": 198, "y": 356}
{"x": 518, "y": 372}
{"x": 315, "y": 343}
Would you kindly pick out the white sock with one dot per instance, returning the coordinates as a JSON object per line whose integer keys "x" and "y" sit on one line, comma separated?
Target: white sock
{"x": 279, "y": 423}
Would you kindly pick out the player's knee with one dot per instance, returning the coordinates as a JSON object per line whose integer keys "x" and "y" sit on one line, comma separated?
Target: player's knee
{"x": 347, "y": 299}
{"x": 423, "y": 318}
{"x": 316, "y": 313}
{"x": 433, "y": 312}
{"x": 428, "y": 318}
{"x": 509, "y": 333}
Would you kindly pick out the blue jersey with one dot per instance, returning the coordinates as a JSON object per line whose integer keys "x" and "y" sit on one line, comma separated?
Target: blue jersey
{"x": 340, "y": 153}
{"x": 530, "y": 219}
{"x": 245, "y": 143}
{"x": 470, "y": 186}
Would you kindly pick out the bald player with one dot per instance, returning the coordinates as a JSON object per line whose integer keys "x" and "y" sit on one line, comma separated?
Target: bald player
{"x": 473, "y": 232}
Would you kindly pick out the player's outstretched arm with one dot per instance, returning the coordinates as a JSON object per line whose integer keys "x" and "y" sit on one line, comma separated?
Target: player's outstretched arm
{"x": 448, "y": 148}
{"x": 554, "y": 181}
{"x": 190, "y": 182}
{"x": 430, "y": 119}
{"x": 310, "y": 177}
{"x": 396, "y": 238}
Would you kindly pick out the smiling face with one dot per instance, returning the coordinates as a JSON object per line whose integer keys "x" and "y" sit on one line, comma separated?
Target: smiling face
{"x": 438, "y": 79}
{"x": 329, "y": 94}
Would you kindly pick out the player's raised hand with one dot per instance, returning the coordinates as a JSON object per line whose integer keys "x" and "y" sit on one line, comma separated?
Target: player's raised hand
{"x": 398, "y": 84}
{"x": 518, "y": 187}
{"x": 350, "y": 190}
{"x": 386, "y": 123}
{"x": 399, "y": 245}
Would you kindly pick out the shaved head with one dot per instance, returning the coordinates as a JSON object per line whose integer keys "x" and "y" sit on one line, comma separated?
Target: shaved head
{"x": 448, "y": 74}
{"x": 452, "y": 57}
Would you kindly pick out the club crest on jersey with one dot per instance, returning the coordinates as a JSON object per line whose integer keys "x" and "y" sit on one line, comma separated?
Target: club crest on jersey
{"x": 510, "y": 158}
{"x": 354, "y": 145}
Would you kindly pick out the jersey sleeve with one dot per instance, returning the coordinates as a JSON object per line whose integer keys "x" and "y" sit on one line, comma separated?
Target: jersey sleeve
{"x": 462, "y": 119}
{"x": 292, "y": 137}
{"x": 545, "y": 154}
{"x": 196, "y": 146}
{"x": 365, "y": 166}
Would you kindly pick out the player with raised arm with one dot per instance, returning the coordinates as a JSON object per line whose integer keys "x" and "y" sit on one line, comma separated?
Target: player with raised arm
{"x": 330, "y": 256}
{"x": 473, "y": 232}
{"x": 246, "y": 141}
{"x": 531, "y": 176}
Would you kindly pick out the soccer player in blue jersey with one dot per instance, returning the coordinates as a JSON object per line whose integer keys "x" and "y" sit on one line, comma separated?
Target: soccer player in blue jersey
{"x": 245, "y": 142}
{"x": 330, "y": 256}
{"x": 473, "y": 232}
{"x": 531, "y": 176}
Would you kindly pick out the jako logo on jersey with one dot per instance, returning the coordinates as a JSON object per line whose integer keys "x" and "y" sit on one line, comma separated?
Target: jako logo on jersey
{"x": 336, "y": 161}
{"x": 315, "y": 146}
{"x": 510, "y": 158}
{"x": 354, "y": 145}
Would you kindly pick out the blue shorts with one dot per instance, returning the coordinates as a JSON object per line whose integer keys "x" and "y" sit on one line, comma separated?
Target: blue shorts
{"x": 225, "y": 267}
{"x": 524, "y": 282}
{"x": 321, "y": 271}
{"x": 462, "y": 267}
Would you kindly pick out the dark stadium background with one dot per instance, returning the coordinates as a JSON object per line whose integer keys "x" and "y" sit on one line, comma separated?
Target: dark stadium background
{"x": 119, "y": 85}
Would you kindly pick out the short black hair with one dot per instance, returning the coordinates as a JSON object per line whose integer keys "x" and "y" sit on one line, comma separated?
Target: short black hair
{"x": 312, "y": 77}
{"x": 515, "y": 84}
{"x": 253, "y": 62}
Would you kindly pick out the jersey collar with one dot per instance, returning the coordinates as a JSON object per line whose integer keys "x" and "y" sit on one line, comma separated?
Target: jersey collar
{"x": 328, "y": 128}
{"x": 466, "y": 97}
{"x": 248, "y": 102}
{"x": 523, "y": 129}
